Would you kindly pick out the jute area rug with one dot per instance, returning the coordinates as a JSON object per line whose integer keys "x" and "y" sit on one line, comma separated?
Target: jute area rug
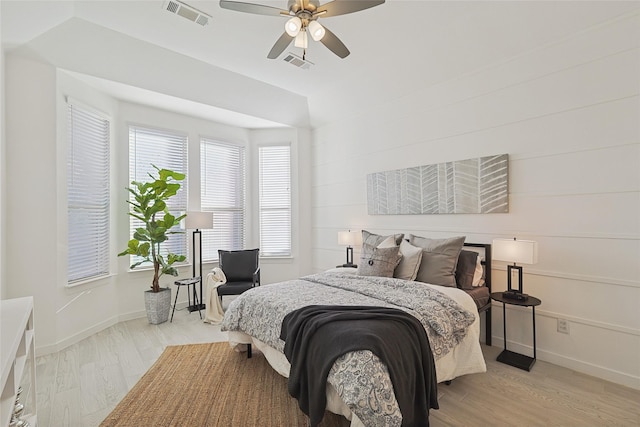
{"x": 211, "y": 385}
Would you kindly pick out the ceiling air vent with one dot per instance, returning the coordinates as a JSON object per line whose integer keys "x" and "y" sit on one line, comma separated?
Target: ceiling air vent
{"x": 294, "y": 59}
{"x": 186, "y": 11}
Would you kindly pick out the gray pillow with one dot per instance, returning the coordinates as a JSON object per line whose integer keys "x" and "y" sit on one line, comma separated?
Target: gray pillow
{"x": 439, "y": 259}
{"x": 466, "y": 269}
{"x": 378, "y": 261}
{"x": 375, "y": 239}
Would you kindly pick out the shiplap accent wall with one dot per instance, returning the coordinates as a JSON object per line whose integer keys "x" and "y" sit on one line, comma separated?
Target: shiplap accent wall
{"x": 567, "y": 115}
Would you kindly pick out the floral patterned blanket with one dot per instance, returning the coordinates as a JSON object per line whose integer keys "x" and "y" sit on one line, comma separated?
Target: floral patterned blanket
{"x": 360, "y": 378}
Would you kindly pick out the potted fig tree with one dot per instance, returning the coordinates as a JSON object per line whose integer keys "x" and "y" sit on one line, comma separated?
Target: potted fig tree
{"x": 149, "y": 205}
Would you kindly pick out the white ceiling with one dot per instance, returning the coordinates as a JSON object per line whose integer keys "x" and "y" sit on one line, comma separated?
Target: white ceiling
{"x": 395, "y": 47}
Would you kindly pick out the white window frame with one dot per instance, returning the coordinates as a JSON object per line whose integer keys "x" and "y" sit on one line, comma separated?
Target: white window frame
{"x": 166, "y": 149}
{"x": 88, "y": 194}
{"x": 275, "y": 200}
{"x": 223, "y": 192}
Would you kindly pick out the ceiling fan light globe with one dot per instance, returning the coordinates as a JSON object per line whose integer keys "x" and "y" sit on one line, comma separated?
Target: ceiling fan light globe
{"x": 317, "y": 31}
{"x": 301, "y": 40}
{"x": 293, "y": 26}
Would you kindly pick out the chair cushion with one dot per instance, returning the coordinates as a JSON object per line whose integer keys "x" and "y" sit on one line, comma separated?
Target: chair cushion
{"x": 239, "y": 266}
{"x": 234, "y": 288}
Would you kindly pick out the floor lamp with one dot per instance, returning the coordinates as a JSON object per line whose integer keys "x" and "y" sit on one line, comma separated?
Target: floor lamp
{"x": 197, "y": 221}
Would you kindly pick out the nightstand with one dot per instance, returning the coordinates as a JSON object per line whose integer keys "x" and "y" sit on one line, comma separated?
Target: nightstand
{"x": 510, "y": 357}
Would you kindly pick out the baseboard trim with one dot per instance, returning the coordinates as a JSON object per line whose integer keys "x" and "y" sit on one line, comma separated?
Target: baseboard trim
{"x": 74, "y": 339}
{"x": 98, "y": 327}
{"x": 597, "y": 371}
{"x": 572, "y": 319}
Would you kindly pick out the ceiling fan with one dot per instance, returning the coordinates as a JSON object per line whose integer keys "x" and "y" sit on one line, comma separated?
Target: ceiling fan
{"x": 303, "y": 21}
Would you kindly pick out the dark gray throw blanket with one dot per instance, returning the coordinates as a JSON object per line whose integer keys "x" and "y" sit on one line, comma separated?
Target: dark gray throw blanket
{"x": 316, "y": 335}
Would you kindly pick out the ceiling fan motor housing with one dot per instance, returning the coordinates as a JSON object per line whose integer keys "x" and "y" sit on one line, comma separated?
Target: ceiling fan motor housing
{"x": 296, "y": 6}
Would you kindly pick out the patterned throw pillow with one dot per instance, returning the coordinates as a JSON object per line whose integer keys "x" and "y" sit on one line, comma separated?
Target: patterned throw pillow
{"x": 376, "y": 261}
{"x": 375, "y": 239}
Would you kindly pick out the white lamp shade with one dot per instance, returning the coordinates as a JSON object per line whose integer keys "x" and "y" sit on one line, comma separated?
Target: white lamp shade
{"x": 199, "y": 220}
{"x": 293, "y": 26}
{"x": 317, "y": 31}
{"x": 515, "y": 251}
{"x": 349, "y": 238}
{"x": 301, "y": 40}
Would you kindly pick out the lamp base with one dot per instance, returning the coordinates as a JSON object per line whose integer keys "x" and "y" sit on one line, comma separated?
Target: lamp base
{"x": 515, "y": 295}
{"x": 348, "y": 265}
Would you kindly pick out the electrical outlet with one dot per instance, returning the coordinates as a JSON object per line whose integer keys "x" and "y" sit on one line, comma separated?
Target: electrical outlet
{"x": 563, "y": 326}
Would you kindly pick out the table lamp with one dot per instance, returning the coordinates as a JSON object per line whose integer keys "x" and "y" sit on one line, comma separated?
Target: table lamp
{"x": 349, "y": 238}
{"x": 517, "y": 252}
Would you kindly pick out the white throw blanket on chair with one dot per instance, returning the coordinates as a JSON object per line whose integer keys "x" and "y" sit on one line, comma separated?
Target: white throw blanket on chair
{"x": 214, "y": 312}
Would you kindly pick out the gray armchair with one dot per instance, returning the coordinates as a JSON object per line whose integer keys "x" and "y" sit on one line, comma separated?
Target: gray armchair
{"x": 242, "y": 270}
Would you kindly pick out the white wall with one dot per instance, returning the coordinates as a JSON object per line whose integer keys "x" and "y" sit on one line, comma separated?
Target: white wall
{"x": 567, "y": 115}
{"x": 2, "y": 170}
{"x": 36, "y": 201}
{"x": 31, "y": 206}
{"x": 35, "y": 206}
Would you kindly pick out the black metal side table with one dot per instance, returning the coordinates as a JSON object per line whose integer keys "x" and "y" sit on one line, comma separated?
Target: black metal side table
{"x": 511, "y": 357}
{"x": 191, "y": 307}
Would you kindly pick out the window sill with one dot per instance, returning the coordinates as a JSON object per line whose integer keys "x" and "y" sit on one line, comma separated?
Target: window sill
{"x": 277, "y": 259}
{"x": 90, "y": 281}
{"x": 150, "y": 268}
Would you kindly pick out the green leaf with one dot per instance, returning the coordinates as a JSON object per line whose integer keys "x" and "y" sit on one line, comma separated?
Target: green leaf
{"x": 143, "y": 249}
{"x": 171, "y": 258}
{"x": 170, "y": 270}
{"x": 142, "y": 235}
{"x": 126, "y": 252}
{"x": 133, "y": 266}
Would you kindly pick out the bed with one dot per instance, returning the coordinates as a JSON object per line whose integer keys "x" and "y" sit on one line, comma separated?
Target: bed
{"x": 358, "y": 384}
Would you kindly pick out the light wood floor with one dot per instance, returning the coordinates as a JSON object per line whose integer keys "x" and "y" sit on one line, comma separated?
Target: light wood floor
{"x": 81, "y": 384}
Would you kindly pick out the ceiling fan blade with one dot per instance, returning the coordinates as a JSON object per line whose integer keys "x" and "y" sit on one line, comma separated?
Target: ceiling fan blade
{"x": 334, "y": 44}
{"x": 342, "y": 7}
{"x": 280, "y": 46}
{"x": 252, "y": 8}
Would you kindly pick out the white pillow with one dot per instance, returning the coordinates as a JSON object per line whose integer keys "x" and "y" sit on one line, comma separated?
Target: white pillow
{"x": 477, "y": 274}
{"x": 409, "y": 265}
{"x": 388, "y": 242}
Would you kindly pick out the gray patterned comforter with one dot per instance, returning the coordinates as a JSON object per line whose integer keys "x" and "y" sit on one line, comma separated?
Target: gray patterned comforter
{"x": 360, "y": 378}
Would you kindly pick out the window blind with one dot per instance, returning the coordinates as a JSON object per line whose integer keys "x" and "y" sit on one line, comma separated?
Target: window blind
{"x": 275, "y": 200}
{"x": 166, "y": 150}
{"x": 88, "y": 194}
{"x": 222, "y": 169}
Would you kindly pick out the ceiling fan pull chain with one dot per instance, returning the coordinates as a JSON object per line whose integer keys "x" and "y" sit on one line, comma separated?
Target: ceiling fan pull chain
{"x": 304, "y": 53}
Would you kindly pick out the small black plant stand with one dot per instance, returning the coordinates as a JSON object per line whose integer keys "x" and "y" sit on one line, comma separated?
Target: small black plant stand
{"x": 191, "y": 307}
